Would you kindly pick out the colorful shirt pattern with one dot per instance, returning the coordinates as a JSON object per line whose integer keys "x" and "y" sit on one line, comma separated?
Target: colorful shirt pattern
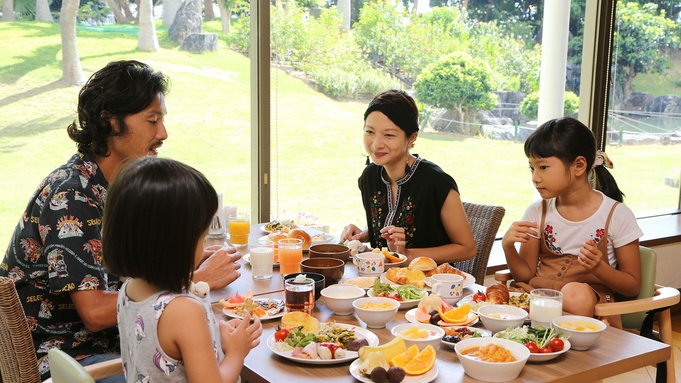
{"x": 142, "y": 356}
{"x": 56, "y": 248}
{"x": 420, "y": 196}
{"x": 567, "y": 237}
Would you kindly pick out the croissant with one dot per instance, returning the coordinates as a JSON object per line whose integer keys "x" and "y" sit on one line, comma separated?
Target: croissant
{"x": 497, "y": 293}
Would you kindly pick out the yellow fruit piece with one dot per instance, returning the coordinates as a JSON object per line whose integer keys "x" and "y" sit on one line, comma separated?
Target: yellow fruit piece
{"x": 393, "y": 259}
{"x": 299, "y": 318}
{"x": 457, "y": 315}
{"x": 389, "y": 350}
{"x": 422, "y": 362}
{"x": 402, "y": 359}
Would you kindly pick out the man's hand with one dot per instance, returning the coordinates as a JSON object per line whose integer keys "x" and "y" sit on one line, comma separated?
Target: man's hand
{"x": 218, "y": 267}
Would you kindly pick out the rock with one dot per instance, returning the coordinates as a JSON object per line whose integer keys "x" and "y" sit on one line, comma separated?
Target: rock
{"x": 200, "y": 42}
{"x": 187, "y": 21}
{"x": 666, "y": 104}
{"x": 638, "y": 101}
{"x": 508, "y": 104}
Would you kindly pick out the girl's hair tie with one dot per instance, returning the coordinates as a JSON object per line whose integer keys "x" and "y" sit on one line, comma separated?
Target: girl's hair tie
{"x": 602, "y": 159}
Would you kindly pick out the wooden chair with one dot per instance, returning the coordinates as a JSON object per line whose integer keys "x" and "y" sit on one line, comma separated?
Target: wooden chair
{"x": 484, "y": 221}
{"x": 653, "y": 301}
{"x": 18, "y": 363}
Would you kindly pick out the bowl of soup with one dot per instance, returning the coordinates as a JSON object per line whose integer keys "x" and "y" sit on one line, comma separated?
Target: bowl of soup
{"x": 582, "y": 331}
{"x": 500, "y": 317}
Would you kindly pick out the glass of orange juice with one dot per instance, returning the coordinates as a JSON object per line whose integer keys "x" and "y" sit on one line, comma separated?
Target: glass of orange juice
{"x": 290, "y": 255}
{"x": 239, "y": 229}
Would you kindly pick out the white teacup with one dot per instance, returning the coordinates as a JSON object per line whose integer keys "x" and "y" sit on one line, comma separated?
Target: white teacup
{"x": 447, "y": 286}
{"x": 369, "y": 264}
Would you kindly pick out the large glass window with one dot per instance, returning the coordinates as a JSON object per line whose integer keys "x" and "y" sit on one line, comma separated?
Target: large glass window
{"x": 644, "y": 112}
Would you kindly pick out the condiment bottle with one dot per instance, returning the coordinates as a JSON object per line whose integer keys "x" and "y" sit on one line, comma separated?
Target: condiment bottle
{"x": 217, "y": 235}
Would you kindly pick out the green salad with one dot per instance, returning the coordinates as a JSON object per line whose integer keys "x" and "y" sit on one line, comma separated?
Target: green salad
{"x": 399, "y": 293}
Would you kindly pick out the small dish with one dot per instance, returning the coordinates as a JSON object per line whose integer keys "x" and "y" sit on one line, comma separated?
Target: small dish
{"x": 484, "y": 333}
{"x": 473, "y": 318}
{"x": 423, "y": 378}
{"x": 279, "y": 303}
{"x": 404, "y": 304}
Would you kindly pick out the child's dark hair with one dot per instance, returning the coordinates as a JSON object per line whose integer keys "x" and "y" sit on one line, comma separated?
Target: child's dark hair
{"x": 156, "y": 212}
{"x": 567, "y": 138}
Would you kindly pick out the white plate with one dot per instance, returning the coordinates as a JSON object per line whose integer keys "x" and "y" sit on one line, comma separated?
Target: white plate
{"x": 474, "y": 306}
{"x": 482, "y": 331}
{"x": 266, "y": 238}
{"x": 230, "y": 312}
{"x": 403, "y": 304}
{"x": 370, "y": 284}
{"x": 410, "y": 316}
{"x": 247, "y": 258}
{"x": 349, "y": 355}
{"x": 423, "y": 378}
{"x": 325, "y": 238}
{"x": 469, "y": 280}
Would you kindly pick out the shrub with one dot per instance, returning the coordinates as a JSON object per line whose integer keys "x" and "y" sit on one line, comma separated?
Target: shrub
{"x": 530, "y": 105}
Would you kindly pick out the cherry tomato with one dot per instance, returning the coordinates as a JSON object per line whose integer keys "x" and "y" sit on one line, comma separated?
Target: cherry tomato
{"x": 532, "y": 347}
{"x": 526, "y": 309}
{"x": 545, "y": 350}
{"x": 556, "y": 344}
{"x": 281, "y": 334}
{"x": 479, "y": 297}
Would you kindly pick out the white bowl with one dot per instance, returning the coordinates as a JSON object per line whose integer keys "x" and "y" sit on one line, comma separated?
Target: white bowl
{"x": 579, "y": 339}
{"x": 492, "y": 371}
{"x": 435, "y": 334}
{"x": 339, "y": 298}
{"x": 500, "y": 317}
{"x": 376, "y": 318}
{"x": 408, "y": 304}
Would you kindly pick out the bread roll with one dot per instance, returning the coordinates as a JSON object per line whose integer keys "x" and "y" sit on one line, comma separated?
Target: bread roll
{"x": 497, "y": 293}
{"x": 422, "y": 263}
{"x": 301, "y": 234}
{"x": 275, "y": 236}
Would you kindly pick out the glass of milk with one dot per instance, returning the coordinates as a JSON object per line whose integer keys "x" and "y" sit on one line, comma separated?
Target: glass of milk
{"x": 262, "y": 259}
{"x": 545, "y": 304}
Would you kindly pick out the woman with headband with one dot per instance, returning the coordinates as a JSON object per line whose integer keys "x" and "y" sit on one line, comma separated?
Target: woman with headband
{"x": 412, "y": 206}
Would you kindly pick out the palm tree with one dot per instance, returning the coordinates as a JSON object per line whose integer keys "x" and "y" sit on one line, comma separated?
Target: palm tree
{"x": 147, "y": 40}
{"x": 7, "y": 10}
{"x": 42, "y": 11}
{"x": 118, "y": 14}
{"x": 72, "y": 73}
{"x": 170, "y": 8}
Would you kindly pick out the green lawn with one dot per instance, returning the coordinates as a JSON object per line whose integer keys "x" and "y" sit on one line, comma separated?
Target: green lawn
{"x": 317, "y": 150}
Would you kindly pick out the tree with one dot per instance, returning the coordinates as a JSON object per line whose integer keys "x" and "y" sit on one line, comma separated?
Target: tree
{"x": 42, "y": 11}
{"x": 72, "y": 73}
{"x": 457, "y": 82}
{"x": 147, "y": 40}
{"x": 208, "y": 10}
{"x": 118, "y": 13}
{"x": 7, "y": 10}
{"x": 639, "y": 34}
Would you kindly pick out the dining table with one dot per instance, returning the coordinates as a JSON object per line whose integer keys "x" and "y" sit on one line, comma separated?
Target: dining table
{"x": 616, "y": 352}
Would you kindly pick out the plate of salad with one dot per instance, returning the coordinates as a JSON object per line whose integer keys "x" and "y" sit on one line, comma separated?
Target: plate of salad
{"x": 409, "y": 296}
{"x": 544, "y": 343}
{"x": 341, "y": 340}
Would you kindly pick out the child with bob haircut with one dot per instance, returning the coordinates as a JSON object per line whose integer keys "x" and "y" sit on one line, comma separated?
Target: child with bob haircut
{"x": 156, "y": 216}
{"x": 579, "y": 239}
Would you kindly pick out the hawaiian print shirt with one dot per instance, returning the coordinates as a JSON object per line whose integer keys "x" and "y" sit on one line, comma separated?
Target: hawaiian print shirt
{"x": 56, "y": 248}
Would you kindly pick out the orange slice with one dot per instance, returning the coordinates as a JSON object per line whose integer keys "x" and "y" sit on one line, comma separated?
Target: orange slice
{"x": 390, "y": 257}
{"x": 457, "y": 315}
{"x": 422, "y": 362}
{"x": 402, "y": 359}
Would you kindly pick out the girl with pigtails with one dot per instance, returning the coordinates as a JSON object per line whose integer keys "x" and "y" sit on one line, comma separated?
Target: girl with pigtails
{"x": 579, "y": 238}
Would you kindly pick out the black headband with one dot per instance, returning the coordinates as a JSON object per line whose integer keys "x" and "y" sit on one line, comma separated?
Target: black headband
{"x": 401, "y": 117}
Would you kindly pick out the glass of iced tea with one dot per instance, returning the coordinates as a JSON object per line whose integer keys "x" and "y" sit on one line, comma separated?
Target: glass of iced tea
{"x": 299, "y": 294}
{"x": 239, "y": 229}
{"x": 290, "y": 255}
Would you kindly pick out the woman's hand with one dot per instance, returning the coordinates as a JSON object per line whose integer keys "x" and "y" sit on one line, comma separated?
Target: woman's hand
{"x": 352, "y": 232}
{"x": 589, "y": 255}
{"x": 396, "y": 237}
{"x": 520, "y": 231}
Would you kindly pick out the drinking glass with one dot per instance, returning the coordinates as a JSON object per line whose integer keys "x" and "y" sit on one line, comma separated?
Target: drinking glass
{"x": 239, "y": 229}
{"x": 299, "y": 294}
{"x": 545, "y": 304}
{"x": 262, "y": 259}
{"x": 290, "y": 255}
